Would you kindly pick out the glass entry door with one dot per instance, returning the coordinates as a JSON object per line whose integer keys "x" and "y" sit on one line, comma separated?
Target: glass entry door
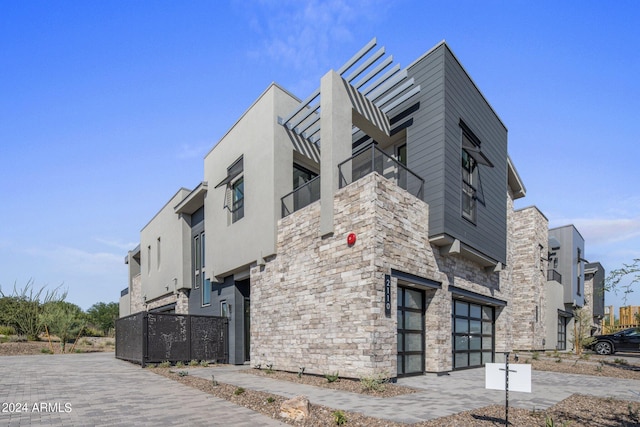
{"x": 411, "y": 331}
{"x": 473, "y": 334}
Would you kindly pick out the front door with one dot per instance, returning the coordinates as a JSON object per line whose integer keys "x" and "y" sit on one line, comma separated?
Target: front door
{"x": 411, "y": 331}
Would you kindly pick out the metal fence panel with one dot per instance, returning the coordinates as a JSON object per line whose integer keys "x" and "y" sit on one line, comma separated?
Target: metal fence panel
{"x": 129, "y": 337}
{"x": 168, "y": 338}
{"x": 157, "y": 337}
{"x": 209, "y": 338}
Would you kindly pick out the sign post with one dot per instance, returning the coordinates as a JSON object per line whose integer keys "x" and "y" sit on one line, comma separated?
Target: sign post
{"x": 497, "y": 378}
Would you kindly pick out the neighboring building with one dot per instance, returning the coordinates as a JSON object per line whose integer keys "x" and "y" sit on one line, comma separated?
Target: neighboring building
{"x": 594, "y": 276}
{"x": 566, "y": 267}
{"x": 368, "y": 229}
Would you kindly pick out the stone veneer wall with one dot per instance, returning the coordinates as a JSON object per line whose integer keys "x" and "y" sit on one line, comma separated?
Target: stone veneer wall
{"x": 135, "y": 293}
{"x": 180, "y": 298}
{"x": 319, "y": 303}
{"x": 530, "y": 250}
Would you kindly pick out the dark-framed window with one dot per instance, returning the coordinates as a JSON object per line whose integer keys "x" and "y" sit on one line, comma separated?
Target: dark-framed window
{"x": 562, "y": 333}
{"x": 301, "y": 175}
{"x": 237, "y": 200}
{"x": 401, "y": 154}
{"x": 206, "y": 293}
{"x": 469, "y": 178}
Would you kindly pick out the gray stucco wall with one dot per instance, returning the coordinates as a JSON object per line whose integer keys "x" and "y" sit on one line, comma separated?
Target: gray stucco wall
{"x": 166, "y": 231}
{"x": 569, "y": 267}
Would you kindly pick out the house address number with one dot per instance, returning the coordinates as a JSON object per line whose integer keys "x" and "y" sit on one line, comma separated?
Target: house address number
{"x": 387, "y": 295}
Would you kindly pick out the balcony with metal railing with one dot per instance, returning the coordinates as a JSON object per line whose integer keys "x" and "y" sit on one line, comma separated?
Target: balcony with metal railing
{"x": 372, "y": 159}
{"x": 302, "y": 196}
{"x": 553, "y": 275}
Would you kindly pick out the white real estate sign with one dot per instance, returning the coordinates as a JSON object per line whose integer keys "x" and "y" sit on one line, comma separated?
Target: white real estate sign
{"x": 519, "y": 377}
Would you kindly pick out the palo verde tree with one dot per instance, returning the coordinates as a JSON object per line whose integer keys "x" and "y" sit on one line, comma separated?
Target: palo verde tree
{"x": 26, "y": 305}
{"x": 63, "y": 319}
{"x": 629, "y": 272}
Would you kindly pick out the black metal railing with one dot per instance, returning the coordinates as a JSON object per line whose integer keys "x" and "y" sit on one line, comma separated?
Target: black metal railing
{"x": 553, "y": 275}
{"x": 372, "y": 159}
{"x": 302, "y": 196}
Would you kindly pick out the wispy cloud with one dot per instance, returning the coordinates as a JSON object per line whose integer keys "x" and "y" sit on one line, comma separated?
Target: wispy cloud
{"x": 75, "y": 261}
{"x": 602, "y": 231}
{"x": 118, "y": 244}
{"x": 301, "y": 34}
{"x": 188, "y": 151}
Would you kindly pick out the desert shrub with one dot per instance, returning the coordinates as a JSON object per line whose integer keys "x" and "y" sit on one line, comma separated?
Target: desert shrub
{"x": 332, "y": 377}
{"x": 183, "y": 373}
{"x": 179, "y": 364}
{"x": 7, "y": 330}
{"x": 165, "y": 364}
{"x": 375, "y": 383}
{"x": 339, "y": 417}
{"x": 535, "y": 355}
{"x": 204, "y": 363}
{"x": 193, "y": 362}
{"x": 239, "y": 391}
{"x": 46, "y": 351}
{"x": 89, "y": 331}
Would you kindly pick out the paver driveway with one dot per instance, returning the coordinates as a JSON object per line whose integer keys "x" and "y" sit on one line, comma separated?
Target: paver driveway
{"x": 98, "y": 390}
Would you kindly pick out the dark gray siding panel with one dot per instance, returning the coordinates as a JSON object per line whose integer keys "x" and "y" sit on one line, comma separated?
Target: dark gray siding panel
{"x": 425, "y": 138}
{"x": 463, "y": 101}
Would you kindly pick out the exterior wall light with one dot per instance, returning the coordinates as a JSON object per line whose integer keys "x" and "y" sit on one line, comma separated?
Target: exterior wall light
{"x": 351, "y": 239}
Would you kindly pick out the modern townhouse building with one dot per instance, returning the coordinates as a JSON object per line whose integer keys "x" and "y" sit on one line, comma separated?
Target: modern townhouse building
{"x": 367, "y": 229}
{"x": 594, "y": 278}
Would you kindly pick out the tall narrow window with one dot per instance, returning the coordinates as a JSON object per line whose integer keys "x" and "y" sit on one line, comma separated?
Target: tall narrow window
{"x": 468, "y": 186}
{"x": 158, "y": 253}
{"x": 149, "y": 259}
{"x": 234, "y": 197}
{"x": 402, "y": 154}
{"x": 197, "y": 265}
{"x": 206, "y": 292}
{"x": 237, "y": 194}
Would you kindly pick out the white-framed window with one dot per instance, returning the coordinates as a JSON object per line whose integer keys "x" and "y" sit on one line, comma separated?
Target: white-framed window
{"x": 198, "y": 260}
{"x": 224, "y": 309}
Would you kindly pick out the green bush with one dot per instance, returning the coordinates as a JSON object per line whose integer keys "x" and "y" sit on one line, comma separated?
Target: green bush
{"x": 88, "y": 331}
{"x": 375, "y": 383}
{"x": 339, "y": 417}
{"x": 332, "y": 377}
{"x": 239, "y": 391}
{"x": 7, "y": 330}
{"x": 165, "y": 364}
{"x": 193, "y": 362}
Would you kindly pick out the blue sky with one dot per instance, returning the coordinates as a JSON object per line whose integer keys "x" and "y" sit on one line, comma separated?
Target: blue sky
{"x": 107, "y": 108}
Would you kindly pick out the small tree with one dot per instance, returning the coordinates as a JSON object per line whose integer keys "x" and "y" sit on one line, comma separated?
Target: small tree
{"x": 628, "y": 271}
{"x": 63, "y": 319}
{"x": 582, "y": 330}
{"x": 103, "y": 315}
{"x": 26, "y": 308}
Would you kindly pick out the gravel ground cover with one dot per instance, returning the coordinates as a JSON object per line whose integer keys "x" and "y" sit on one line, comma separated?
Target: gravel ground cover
{"x": 576, "y": 410}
